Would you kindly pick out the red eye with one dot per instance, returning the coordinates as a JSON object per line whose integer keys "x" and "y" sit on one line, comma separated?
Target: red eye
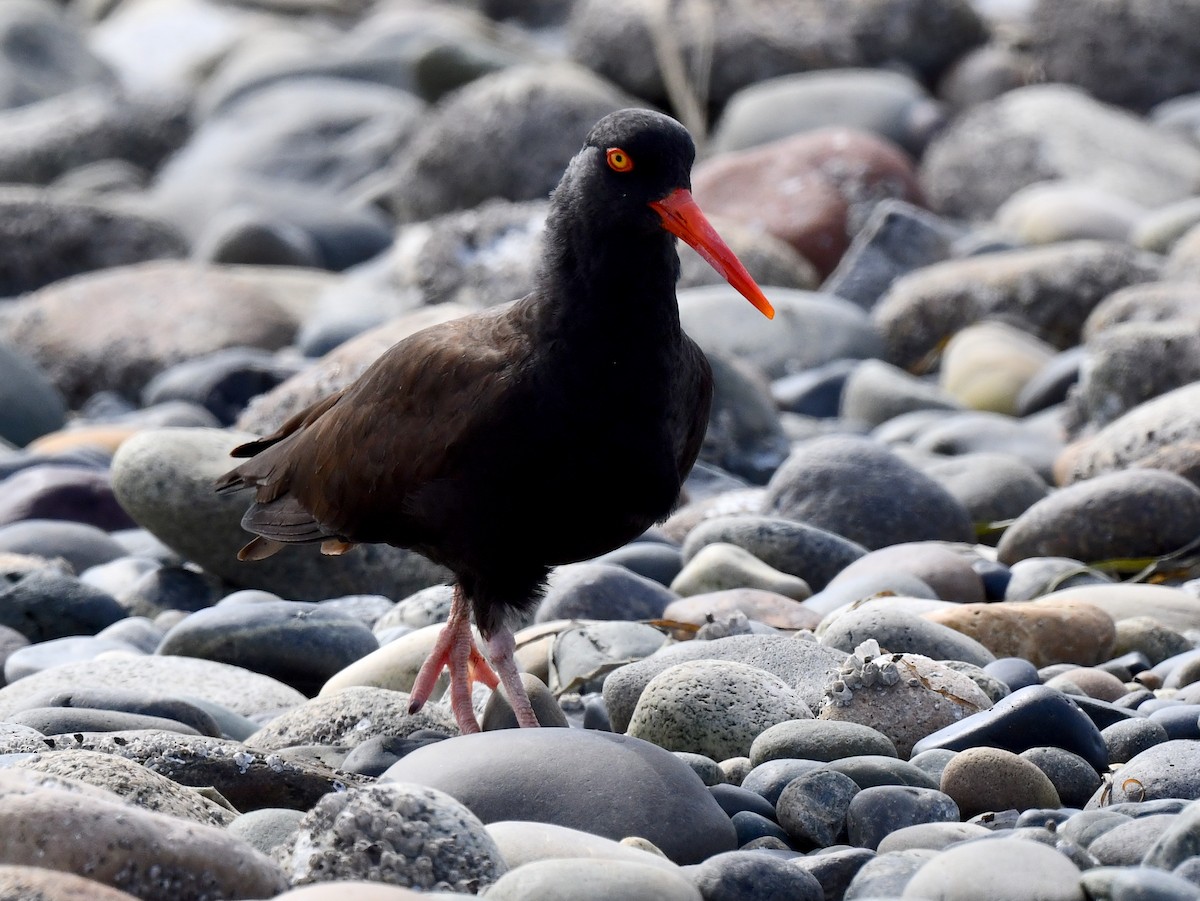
{"x": 618, "y": 160}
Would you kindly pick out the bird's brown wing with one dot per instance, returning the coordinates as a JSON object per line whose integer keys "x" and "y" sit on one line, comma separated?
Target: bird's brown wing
{"x": 339, "y": 468}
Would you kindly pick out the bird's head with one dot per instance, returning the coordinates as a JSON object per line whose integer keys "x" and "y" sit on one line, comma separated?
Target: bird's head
{"x": 637, "y": 166}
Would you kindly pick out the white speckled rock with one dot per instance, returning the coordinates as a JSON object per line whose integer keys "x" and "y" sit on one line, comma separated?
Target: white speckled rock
{"x": 397, "y": 833}
{"x": 713, "y": 707}
{"x": 904, "y": 696}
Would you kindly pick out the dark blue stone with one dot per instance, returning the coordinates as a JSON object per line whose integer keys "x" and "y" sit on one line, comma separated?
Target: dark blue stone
{"x": 1031, "y": 717}
{"x": 1015, "y": 672}
{"x": 733, "y": 798}
{"x": 751, "y": 826}
{"x": 1180, "y": 722}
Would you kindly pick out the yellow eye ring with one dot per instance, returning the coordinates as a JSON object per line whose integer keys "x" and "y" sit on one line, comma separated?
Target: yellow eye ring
{"x": 618, "y": 160}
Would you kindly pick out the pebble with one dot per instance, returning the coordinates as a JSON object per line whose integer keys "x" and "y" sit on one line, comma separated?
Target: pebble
{"x": 79, "y": 544}
{"x": 1171, "y": 607}
{"x": 825, "y": 740}
{"x": 812, "y": 808}
{"x": 720, "y": 567}
{"x": 713, "y": 707}
{"x": 803, "y": 550}
{"x": 903, "y": 696}
{"x": 876, "y": 812}
{"x": 974, "y": 165}
{"x": 522, "y": 842}
{"x": 935, "y": 836}
{"x": 941, "y": 567}
{"x": 299, "y": 644}
{"x": 266, "y": 829}
{"x": 776, "y": 610}
{"x": 39, "y": 884}
{"x": 1125, "y": 739}
{"x": 727, "y": 875}
{"x": 136, "y": 784}
{"x": 833, "y": 482}
{"x": 45, "y": 604}
{"x": 900, "y": 631}
{"x": 205, "y": 680}
{"x": 1119, "y": 514}
{"x": 1014, "y": 870}
{"x": 897, "y": 238}
{"x": 888, "y": 104}
{"x": 804, "y": 665}
{"x": 811, "y": 212}
{"x": 810, "y": 328}
{"x": 983, "y": 779}
{"x": 406, "y": 835}
{"x": 32, "y": 405}
{"x": 876, "y": 392}
{"x": 593, "y": 773}
{"x": 1052, "y": 630}
{"x": 993, "y": 487}
{"x": 592, "y": 880}
{"x": 1030, "y": 717}
{"x": 927, "y": 307}
{"x": 987, "y": 365}
{"x": 887, "y": 874}
{"x": 1073, "y": 778}
{"x": 602, "y": 591}
{"x": 349, "y": 717}
{"x": 152, "y": 855}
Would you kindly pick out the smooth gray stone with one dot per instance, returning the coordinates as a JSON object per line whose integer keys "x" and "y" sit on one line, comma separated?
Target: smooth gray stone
{"x": 772, "y": 777}
{"x": 602, "y": 591}
{"x": 299, "y": 644}
{"x": 827, "y": 740}
{"x": 880, "y": 810}
{"x": 241, "y": 691}
{"x": 886, "y": 876}
{"x": 797, "y": 548}
{"x": 744, "y": 875}
{"x": 1073, "y": 778}
{"x": 35, "y": 658}
{"x": 79, "y": 544}
{"x": 1126, "y": 739}
{"x": 1013, "y": 870}
{"x": 1128, "y": 844}
{"x": 579, "y": 779}
{"x": 592, "y": 880}
{"x": 1179, "y": 842}
{"x": 931, "y": 836}
{"x": 47, "y": 604}
{"x": 901, "y": 632}
{"x": 30, "y": 405}
{"x": 1167, "y": 770}
{"x": 1135, "y": 884}
{"x": 148, "y": 702}
{"x": 813, "y": 807}
{"x": 870, "y": 770}
{"x": 858, "y": 488}
{"x": 60, "y": 720}
{"x": 834, "y": 867}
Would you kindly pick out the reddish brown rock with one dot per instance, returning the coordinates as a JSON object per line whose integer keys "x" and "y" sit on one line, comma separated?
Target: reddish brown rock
{"x": 1042, "y": 633}
{"x": 811, "y": 190}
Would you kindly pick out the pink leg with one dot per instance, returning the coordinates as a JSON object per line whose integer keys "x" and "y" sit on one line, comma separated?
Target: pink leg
{"x": 455, "y": 649}
{"x": 500, "y": 649}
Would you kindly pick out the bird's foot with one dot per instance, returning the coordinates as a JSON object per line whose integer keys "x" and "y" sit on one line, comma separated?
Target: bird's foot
{"x": 500, "y": 648}
{"x": 455, "y": 650}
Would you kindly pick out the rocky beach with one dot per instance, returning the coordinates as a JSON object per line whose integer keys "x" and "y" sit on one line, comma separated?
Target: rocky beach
{"x": 925, "y": 623}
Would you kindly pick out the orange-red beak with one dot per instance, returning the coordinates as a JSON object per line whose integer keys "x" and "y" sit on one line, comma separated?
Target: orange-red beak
{"x": 682, "y": 217}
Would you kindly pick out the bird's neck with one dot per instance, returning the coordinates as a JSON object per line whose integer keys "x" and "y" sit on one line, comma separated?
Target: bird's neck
{"x": 617, "y": 284}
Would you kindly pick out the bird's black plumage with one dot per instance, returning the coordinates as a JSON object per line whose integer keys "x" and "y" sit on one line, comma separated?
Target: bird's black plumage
{"x": 518, "y": 438}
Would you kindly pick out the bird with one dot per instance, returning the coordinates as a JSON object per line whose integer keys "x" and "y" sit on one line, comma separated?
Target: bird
{"x": 524, "y": 436}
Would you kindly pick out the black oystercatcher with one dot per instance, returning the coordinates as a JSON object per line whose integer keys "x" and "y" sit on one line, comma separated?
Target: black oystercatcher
{"x": 511, "y": 440}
